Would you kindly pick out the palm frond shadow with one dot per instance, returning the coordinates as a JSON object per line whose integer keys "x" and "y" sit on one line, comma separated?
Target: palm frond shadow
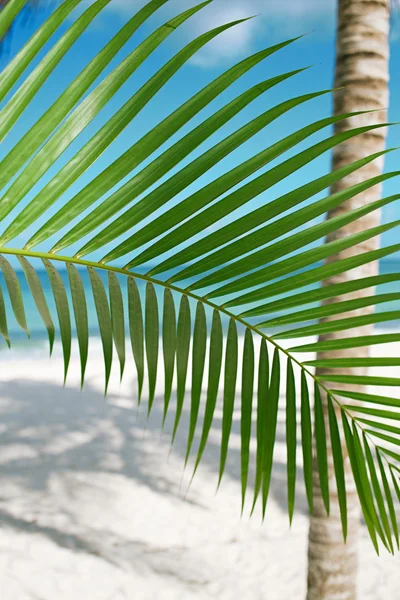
{"x": 49, "y": 432}
{"x": 131, "y": 554}
{"x": 45, "y": 418}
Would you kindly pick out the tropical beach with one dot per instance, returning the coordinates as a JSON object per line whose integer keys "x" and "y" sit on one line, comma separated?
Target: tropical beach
{"x": 93, "y": 503}
{"x": 199, "y": 300}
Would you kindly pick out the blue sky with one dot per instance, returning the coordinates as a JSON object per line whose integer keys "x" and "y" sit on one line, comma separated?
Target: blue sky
{"x": 277, "y": 20}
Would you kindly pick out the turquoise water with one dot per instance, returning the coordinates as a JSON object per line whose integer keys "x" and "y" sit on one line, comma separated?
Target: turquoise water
{"x": 35, "y": 324}
{"x": 38, "y": 331}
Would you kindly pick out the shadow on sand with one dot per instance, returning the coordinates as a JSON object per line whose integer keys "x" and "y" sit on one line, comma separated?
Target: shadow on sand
{"x": 47, "y": 431}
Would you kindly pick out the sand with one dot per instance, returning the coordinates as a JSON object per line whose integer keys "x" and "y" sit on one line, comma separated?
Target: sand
{"x": 92, "y": 505}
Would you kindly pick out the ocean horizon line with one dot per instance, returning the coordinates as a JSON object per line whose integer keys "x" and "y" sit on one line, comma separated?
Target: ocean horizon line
{"x": 148, "y": 267}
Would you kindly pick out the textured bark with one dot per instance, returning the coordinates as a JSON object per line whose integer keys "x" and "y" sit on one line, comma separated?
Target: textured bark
{"x": 362, "y": 67}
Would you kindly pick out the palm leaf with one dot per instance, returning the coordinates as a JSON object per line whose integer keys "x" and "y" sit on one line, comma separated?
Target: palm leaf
{"x": 169, "y": 346}
{"x": 262, "y": 395}
{"x": 389, "y": 499}
{"x": 263, "y": 264}
{"x": 14, "y": 291}
{"x": 182, "y": 357}
{"x": 306, "y": 439}
{"x": 81, "y": 315}
{"x": 24, "y": 57}
{"x": 39, "y": 298}
{"x": 3, "y": 320}
{"x": 198, "y": 363}
{"x": 320, "y": 437}
{"x": 104, "y": 320}
{"x": 8, "y": 15}
{"x": 291, "y": 432}
{"x": 337, "y": 453}
{"x": 171, "y": 157}
{"x": 63, "y": 311}
{"x": 271, "y": 417}
{"x": 246, "y": 408}
{"x": 151, "y": 337}
{"x": 214, "y": 373}
{"x": 231, "y": 363}
{"x": 117, "y": 318}
{"x": 136, "y": 331}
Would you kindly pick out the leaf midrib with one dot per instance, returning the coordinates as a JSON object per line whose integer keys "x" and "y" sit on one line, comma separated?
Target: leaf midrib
{"x": 121, "y": 271}
{"x": 204, "y": 300}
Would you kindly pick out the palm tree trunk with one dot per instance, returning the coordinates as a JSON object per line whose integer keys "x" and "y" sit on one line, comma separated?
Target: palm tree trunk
{"x": 362, "y": 68}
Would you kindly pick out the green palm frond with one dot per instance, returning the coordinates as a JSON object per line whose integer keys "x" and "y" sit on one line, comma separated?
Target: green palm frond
{"x": 213, "y": 275}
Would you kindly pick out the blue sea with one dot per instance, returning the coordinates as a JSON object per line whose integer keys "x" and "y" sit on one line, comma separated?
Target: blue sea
{"x": 38, "y": 331}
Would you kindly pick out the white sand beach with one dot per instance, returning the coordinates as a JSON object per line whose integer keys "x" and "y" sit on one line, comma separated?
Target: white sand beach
{"x": 91, "y": 505}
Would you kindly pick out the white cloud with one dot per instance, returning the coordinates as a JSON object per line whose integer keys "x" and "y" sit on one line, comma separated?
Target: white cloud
{"x": 276, "y": 19}
{"x": 232, "y": 42}
{"x": 125, "y": 7}
{"x": 122, "y": 8}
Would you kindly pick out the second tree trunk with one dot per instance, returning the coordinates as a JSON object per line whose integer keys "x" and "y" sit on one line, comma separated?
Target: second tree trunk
{"x": 362, "y": 65}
